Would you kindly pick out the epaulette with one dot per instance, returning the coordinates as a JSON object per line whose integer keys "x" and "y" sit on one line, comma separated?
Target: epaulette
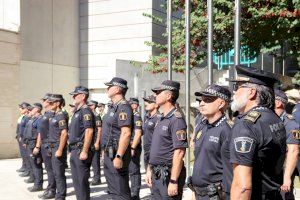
{"x": 60, "y": 112}
{"x": 177, "y": 114}
{"x": 136, "y": 113}
{"x": 85, "y": 106}
{"x": 123, "y": 101}
{"x": 252, "y": 116}
{"x": 230, "y": 123}
{"x": 289, "y": 116}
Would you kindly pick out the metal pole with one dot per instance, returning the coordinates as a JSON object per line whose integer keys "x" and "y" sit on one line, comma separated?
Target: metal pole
{"x": 262, "y": 61}
{"x": 274, "y": 64}
{"x": 187, "y": 75}
{"x": 283, "y": 67}
{"x": 169, "y": 27}
{"x": 136, "y": 85}
{"x": 210, "y": 41}
{"x": 143, "y": 94}
{"x": 237, "y": 32}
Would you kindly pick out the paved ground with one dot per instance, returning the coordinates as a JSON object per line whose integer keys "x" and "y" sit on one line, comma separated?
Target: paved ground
{"x": 14, "y": 187}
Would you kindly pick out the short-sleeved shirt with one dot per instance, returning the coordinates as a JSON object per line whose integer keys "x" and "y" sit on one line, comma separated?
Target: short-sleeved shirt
{"x": 82, "y": 119}
{"x": 149, "y": 124}
{"x": 259, "y": 141}
{"x": 208, "y": 167}
{"x": 168, "y": 135}
{"x": 98, "y": 124}
{"x": 44, "y": 126}
{"x": 292, "y": 129}
{"x": 227, "y": 166}
{"x": 119, "y": 115}
{"x": 22, "y": 126}
{"x": 137, "y": 125}
{"x": 57, "y": 123}
{"x": 32, "y": 127}
{"x": 296, "y": 113}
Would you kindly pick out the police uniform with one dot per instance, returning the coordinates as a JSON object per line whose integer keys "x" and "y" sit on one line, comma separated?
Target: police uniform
{"x": 149, "y": 124}
{"x": 134, "y": 165}
{"x": 119, "y": 115}
{"x": 80, "y": 169}
{"x": 23, "y": 119}
{"x": 259, "y": 141}
{"x": 209, "y": 140}
{"x": 44, "y": 134}
{"x": 168, "y": 135}
{"x": 96, "y": 157}
{"x": 30, "y": 137}
{"x": 296, "y": 113}
{"x": 292, "y": 133}
{"x": 57, "y": 124}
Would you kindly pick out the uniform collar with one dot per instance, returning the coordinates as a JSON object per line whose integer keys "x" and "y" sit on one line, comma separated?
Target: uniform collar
{"x": 217, "y": 122}
{"x": 150, "y": 117}
{"x": 283, "y": 115}
{"x": 170, "y": 114}
{"x": 256, "y": 108}
{"x": 115, "y": 105}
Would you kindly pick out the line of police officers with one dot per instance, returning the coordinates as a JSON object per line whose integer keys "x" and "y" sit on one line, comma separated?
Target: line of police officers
{"x": 252, "y": 157}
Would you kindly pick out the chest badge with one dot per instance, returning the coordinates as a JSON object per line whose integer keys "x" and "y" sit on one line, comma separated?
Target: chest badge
{"x": 122, "y": 116}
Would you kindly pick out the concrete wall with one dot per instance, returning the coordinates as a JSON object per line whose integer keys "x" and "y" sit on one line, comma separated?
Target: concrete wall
{"x": 9, "y": 89}
{"x": 50, "y": 48}
{"x": 10, "y": 15}
{"x": 111, "y": 30}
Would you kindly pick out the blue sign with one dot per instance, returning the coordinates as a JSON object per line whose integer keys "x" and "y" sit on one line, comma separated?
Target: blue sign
{"x": 228, "y": 59}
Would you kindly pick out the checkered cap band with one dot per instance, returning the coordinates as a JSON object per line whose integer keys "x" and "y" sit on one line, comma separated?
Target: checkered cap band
{"x": 119, "y": 84}
{"x": 216, "y": 93}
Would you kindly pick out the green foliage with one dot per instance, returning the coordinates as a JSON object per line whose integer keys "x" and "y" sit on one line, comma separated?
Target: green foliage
{"x": 296, "y": 79}
{"x": 267, "y": 26}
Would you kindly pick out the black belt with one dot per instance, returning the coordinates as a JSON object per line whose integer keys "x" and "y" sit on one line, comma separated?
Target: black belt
{"x": 76, "y": 146}
{"x": 210, "y": 190}
{"x": 161, "y": 172}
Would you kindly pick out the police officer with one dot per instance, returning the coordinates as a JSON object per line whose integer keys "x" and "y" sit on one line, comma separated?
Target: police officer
{"x": 72, "y": 110}
{"x": 32, "y": 146}
{"x": 58, "y": 137}
{"x": 296, "y": 113}
{"x": 23, "y": 119}
{"x": 44, "y": 148}
{"x": 96, "y": 146}
{"x": 101, "y": 110}
{"x": 166, "y": 172}
{"x": 258, "y": 144}
{"x": 136, "y": 150}
{"x": 81, "y": 131}
{"x": 199, "y": 119}
{"x": 117, "y": 126}
{"x": 208, "y": 168}
{"x": 292, "y": 141}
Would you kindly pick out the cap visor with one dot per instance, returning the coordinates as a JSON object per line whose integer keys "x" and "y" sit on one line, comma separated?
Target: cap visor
{"x": 108, "y": 84}
{"x": 157, "y": 89}
{"x": 199, "y": 94}
{"x": 73, "y": 93}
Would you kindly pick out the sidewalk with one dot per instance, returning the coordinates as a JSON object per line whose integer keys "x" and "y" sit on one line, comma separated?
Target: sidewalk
{"x": 13, "y": 186}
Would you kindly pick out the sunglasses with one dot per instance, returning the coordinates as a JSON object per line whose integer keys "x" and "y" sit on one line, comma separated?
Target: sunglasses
{"x": 237, "y": 86}
{"x": 208, "y": 99}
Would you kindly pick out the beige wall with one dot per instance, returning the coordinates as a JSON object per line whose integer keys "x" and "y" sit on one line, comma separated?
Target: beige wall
{"x": 9, "y": 89}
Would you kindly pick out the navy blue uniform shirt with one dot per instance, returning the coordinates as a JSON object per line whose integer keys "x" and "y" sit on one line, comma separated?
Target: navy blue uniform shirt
{"x": 169, "y": 134}
{"x": 292, "y": 129}
{"x": 259, "y": 141}
{"x": 208, "y": 167}
{"x": 137, "y": 125}
{"x": 57, "y": 123}
{"x": 296, "y": 113}
{"x": 44, "y": 126}
{"x": 81, "y": 120}
{"x": 98, "y": 124}
{"x": 119, "y": 115}
{"x": 32, "y": 127}
{"x": 149, "y": 124}
{"x": 22, "y": 125}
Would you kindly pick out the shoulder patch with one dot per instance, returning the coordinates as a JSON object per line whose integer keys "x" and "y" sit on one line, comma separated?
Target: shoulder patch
{"x": 122, "y": 116}
{"x": 123, "y": 101}
{"x": 98, "y": 123}
{"x": 138, "y": 123}
{"x": 289, "y": 116}
{"x": 62, "y": 122}
{"x": 199, "y": 134}
{"x": 230, "y": 123}
{"x": 252, "y": 116}
{"x": 296, "y": 134}
{"x": 177, "y": 114}
{"x": 87, "y": 117}
{"x": 243, "y": 144}
{"x": 181, "y": 135}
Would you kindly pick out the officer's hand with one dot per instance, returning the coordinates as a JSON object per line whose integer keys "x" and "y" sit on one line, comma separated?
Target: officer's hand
{"x": 286, "y": 186}
{"x": 83, "y": 155}
{"x": 35, "y": 151}
{"x": 132, "y": 152}
{"x": 58, "y": 154}
{"x": 118, "y": 163}
{"x": 172, "y": 189}
{"x": 97, "y": 146}
{"x": 148, "y": 178}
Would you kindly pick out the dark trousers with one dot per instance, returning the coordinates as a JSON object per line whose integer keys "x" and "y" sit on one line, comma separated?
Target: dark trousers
{"x": 96, "y": 165}
{"x": 80, "y": 170}
{"x": 23, "y": 153}
{"x": 160, "y": 188}
{"x": 146, "y": 161}
{"x": 36, "y": 166}
{"x": 58, "y": 165}
{"x": 117, "y": 180}
{"x": 27, "y": 159}
{"x": 272, "y": 195}
{"x": 135, "y": 173}
{"x": 48, "y": 166}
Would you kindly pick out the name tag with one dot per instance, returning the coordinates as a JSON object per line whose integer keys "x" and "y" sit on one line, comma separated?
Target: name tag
{"x": 76, "y": 115}
{"x": 164, "y": 128}
{"x": 213, "y": 139}
{"x": 111, "y": 114}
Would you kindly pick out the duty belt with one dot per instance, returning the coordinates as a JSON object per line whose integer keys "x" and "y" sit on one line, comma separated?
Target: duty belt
{"x": 161, "y": 172}
{"x": 210, "y": 190}
{"x": 75, "y": 146}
